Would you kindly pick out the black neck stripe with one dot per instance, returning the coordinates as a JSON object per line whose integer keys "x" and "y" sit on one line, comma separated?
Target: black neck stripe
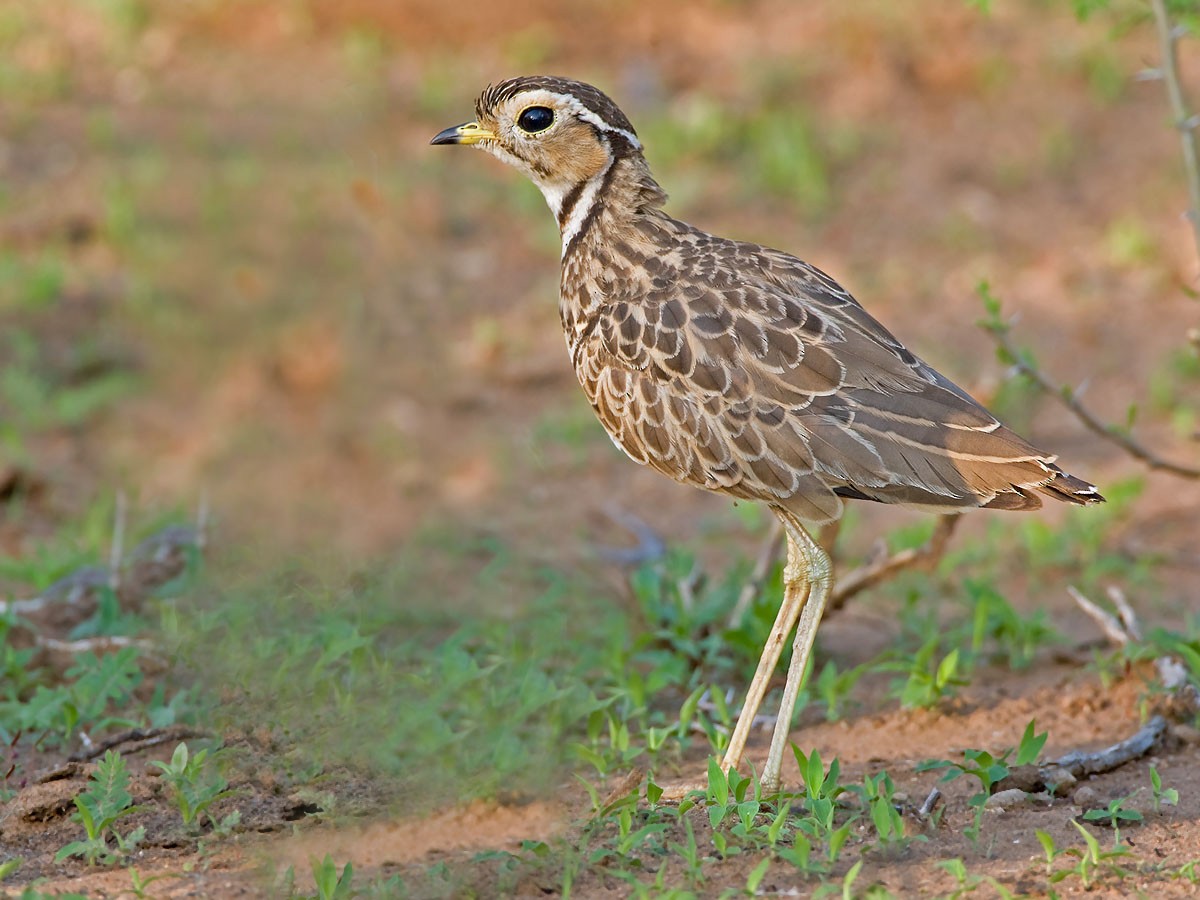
{"x": 568, "y": 204}
{"x": 597, "y": 202}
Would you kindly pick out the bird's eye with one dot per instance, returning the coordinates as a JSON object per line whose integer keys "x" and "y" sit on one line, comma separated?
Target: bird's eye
{"x": 535, "y": 119}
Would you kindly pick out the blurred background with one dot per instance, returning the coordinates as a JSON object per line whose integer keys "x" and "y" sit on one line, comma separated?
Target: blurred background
{"x": 230, "y": 264}
{"x": 233, "y": 272}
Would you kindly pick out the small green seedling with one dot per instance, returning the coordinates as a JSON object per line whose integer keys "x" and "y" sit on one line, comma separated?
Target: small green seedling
{"x": 690, "y": 854}
{"x": 821, "y": 790}
{"x": 330, "y": 884}
{"x": 1162, "y": 796}
{"x": 1189, "y": 871}
{"x": 968, "y": 883}
{"x": 105, "y": 801}
{"x": 834, "y": 687}
{"x": 138, "y": 884}
{"x": 1050, "y": 848}
{"x": 988, "y": 769}
{"x": 726, "y": 793}
{"x": 1113, "y": 816}
{"x": 876, "y": 793}
{"x": 1093, "y": 862}
{"x": 197, "y": 785}
{"x": 929, "y": 679}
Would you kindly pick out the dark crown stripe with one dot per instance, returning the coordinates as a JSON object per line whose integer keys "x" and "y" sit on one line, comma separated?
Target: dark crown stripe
{"x": 593, "y": 100}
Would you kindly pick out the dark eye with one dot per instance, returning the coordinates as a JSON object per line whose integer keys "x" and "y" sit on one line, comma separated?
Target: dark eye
{"x": 535, "y": 119}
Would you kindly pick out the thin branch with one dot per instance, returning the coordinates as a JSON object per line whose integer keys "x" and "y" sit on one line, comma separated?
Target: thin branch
{"x": 1067, "y": 397}
{"x": 650, "y": 545}
{"x": 1081, "y": 764}
{"x": 1108, "y": 623}
{"x": 91, "y": 645}
{"x": 142, "y": 739}
{"x": 117, "y": 551}
{"x": 1185, "y": 122}
{"x": 926, "y": 809}
{"x": 883, "y": 566}
{"x": 768, "y": 555}
{"x": 1176, "y": 681}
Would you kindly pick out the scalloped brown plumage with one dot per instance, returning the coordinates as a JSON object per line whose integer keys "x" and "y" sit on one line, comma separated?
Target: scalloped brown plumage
{"x": 741, "y": 369}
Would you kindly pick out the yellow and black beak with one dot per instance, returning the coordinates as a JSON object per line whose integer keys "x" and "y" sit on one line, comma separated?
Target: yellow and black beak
{"x": 470, "y": 133}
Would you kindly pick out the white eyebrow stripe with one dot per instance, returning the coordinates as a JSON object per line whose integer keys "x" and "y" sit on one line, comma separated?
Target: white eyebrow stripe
{"x": 592, "y": 118}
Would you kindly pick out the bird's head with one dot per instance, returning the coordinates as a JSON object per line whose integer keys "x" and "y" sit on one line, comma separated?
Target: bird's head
{"x": 563, "y": 134}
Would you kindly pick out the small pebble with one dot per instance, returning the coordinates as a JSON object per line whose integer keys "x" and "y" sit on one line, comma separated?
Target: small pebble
{"x": 1087, "y": 797}
{"x": 1061, "y": 779}
{"x": 1187, "y": 734}
{"x": 1002, "y": 800}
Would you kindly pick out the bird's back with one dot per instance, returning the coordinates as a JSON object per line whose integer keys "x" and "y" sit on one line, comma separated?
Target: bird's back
{"x": 744, "y": 370}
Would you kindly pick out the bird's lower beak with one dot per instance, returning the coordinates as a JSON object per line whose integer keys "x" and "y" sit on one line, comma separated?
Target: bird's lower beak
{"x": 470, "y": 133}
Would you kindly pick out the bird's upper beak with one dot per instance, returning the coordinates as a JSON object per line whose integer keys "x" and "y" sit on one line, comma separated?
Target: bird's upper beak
{"x": 470, "y": 133}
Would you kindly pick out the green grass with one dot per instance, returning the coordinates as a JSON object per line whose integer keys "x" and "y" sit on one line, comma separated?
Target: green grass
{"x": 443, "y": 699}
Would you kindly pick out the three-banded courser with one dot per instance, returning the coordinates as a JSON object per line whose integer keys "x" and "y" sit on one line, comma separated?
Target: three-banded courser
{"x": 740, "y": 369}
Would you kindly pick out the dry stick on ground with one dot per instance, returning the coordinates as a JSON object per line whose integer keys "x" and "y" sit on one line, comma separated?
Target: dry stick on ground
{"x": 1126, "y": 629}
{"x": 926, "y": 809}
{"x": 1080, "y": 764}
{"x": 772, "y": 549}
{"x": 1058, "y": 776}
{"x": 143, "y": 739}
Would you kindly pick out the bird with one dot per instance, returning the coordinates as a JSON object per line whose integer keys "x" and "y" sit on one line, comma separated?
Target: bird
{"x": 741, "y": 369}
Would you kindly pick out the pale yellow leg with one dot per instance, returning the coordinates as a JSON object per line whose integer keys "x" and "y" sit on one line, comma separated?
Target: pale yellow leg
{"x": 794, "y": 591}
{"x": 818, "y": 577}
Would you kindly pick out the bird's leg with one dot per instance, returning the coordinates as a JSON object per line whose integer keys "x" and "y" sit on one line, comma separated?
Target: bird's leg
{"x": 818, "y": 576}
{"x": 794, "y": 591}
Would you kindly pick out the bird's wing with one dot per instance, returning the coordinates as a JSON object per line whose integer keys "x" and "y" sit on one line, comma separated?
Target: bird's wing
{"x": 761, "y": 377}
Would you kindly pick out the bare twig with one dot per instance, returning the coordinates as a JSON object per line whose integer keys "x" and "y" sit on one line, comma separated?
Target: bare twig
{"x": 1068, "y": 398}
{"x": 117, "y": 550}
{"x": 688, "y": 585}
{"x": 202, "y": 514}
{"x": 650, "y": 545}
{"x": 1108, "y": 623}
{"x": 143, "y": 739}
{"x": 882, "y": 566}
{"x": 1128, "y": 617}
{"x": 1185, "y": 122}
{"x": 1081, "y": 764}
{"x": 768, "y": 555}
{"x": 926, "y": 809}
{"x": 90, "y": 645}
{"x": 1171, "y": 672}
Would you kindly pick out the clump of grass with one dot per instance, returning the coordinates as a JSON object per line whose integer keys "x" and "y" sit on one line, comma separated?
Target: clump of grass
{"x": 196, "y": 785}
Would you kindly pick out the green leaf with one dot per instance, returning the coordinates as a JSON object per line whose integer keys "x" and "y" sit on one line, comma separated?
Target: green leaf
{"x": 947, "y": 668}
{"x": 1092, "y": 844}
{"x": 1048, "y": 845}
{"x": 75, "y": 848}
{"x": 755, "y": 878}
{"x": 718, "y": 784}
{"x": 653, "y": 792}
{"x": 1031, "y": 744}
